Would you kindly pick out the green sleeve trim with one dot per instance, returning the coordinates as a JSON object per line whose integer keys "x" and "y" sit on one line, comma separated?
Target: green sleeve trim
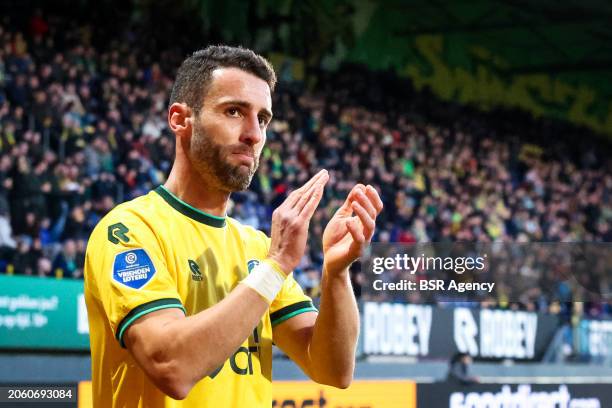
{"x": 290, "y": 311}
{"x": 290, "y": 315}
{"x": 144, "y": 309}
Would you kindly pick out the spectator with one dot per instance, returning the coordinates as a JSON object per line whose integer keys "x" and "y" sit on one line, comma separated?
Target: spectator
{"x": 23, "y": 263}
{"x": 65, "y": 263}
{"x": 6, "y": 238}
{"x": 459, "y": 370}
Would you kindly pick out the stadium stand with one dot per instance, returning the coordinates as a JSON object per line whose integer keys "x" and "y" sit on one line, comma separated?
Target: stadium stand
{"x": 84, "y": 88}
{"x": 82, "y": 128}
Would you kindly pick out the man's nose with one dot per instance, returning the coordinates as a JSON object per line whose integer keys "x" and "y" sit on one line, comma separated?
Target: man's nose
{"x": 252, "y": 133}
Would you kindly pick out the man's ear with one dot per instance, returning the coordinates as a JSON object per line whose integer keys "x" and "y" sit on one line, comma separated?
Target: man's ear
{"x": 180, "y": 119}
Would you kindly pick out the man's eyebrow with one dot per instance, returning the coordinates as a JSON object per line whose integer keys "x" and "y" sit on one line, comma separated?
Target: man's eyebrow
{"x": 248, "y": 105}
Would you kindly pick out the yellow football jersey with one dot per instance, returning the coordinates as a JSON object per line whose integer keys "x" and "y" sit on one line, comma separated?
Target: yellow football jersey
{"x": 157, "y": 252}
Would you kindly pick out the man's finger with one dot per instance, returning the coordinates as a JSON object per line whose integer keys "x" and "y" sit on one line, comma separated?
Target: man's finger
{"x": 345, "y": 209}
{"x": 355, "y": 230}
{"x": 374, "y": 198}
{"x": 365, "y": 202}
{"x": 314, "y": 199}
{"x": 306, "y": 185}
{"x": 307, "y": 193}
{"x": 366, "y": 220}
{"x": 295, "y": 196}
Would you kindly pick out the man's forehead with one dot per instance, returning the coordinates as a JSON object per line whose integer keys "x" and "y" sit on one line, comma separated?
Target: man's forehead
{"x": 237, "y": 83}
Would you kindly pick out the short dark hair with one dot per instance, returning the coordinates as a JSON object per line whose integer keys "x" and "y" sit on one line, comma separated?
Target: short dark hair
{"x": 194, "y": 75}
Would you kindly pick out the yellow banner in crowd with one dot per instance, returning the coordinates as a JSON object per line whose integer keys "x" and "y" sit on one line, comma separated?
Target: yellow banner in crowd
{"x": 302, "y": 394}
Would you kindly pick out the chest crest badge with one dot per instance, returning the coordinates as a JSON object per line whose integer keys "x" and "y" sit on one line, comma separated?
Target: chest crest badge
{"x": 196, "y": 274}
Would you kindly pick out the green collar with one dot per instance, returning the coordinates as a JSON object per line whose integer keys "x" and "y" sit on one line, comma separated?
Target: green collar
{"x": 189, "y": 211}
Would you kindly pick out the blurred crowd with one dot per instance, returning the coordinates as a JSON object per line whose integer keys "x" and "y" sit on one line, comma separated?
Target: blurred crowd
{"x": 83, "y": 127}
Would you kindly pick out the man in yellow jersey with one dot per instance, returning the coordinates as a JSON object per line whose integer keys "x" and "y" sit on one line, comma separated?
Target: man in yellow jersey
{"x": 184, "y": 302}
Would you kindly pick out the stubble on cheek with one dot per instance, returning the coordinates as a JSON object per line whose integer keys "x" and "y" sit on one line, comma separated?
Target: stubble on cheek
{"x": 212, "y": 161}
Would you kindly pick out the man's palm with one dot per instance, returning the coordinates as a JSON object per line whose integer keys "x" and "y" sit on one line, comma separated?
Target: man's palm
{"x": 339, "y": 247}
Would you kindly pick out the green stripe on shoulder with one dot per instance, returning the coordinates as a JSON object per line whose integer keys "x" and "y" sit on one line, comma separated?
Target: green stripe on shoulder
{"x": 290, "y": 311}
{"x": 142, "y": 310}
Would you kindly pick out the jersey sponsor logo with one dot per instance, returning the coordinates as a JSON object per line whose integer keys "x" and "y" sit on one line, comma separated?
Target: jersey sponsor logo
{"x": 241, "y": 362}
{"x": 319, "y": 401}
{"x": 196, "y": 275}
{"x": 117, "y": 232}
{"x": 252, "y": 264}
{"x": 215, "y": 372}
{"x": 133, "y": 268}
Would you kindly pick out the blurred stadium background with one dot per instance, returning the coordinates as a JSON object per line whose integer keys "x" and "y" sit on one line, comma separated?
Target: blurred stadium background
{"x": 480, "y": 121}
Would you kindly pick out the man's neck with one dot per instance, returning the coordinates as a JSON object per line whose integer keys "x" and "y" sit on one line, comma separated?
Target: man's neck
{"x": 189, "y": 187}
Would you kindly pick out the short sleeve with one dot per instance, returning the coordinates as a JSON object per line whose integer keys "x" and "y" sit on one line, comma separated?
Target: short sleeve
{"x": 126, "y": 269}
{"x": 290, "y": 301}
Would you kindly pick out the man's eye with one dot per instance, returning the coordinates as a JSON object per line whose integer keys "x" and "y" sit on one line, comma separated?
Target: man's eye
{"x": 262, "y": 121}
{"x": 233, "y": 111}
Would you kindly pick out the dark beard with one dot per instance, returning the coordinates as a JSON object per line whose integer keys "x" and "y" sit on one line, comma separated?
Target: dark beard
{"x": 210, "y": 160}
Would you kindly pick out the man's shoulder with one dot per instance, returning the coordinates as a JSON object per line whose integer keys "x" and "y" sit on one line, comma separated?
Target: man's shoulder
{"x": 247, "y": 231}
{"x": 136, "y": 213}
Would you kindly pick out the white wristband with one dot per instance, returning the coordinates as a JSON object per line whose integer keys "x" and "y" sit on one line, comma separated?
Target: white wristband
{"x": 266, "y": 279}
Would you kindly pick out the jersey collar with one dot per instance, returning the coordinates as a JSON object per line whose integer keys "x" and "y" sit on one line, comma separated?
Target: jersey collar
{"x": 188, "y": 210}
